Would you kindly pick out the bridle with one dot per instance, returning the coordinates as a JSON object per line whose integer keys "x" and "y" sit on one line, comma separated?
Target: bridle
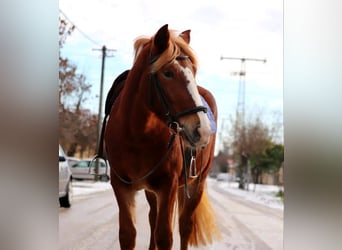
{"x": 171, "y": 119}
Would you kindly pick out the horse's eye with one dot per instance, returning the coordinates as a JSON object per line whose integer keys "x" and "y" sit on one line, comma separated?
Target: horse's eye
{"x": 168, "y": 74}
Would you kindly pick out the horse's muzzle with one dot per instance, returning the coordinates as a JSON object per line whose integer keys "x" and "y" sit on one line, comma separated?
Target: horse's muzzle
{"x": 196, "y": 137}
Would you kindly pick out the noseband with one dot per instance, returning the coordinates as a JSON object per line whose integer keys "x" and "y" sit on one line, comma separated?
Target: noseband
{"x": 171, "y": 118}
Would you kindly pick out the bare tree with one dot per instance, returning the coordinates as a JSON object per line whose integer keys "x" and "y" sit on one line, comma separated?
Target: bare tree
{"x": 76, "y": 125}
{"x": 248, "y": 140}
{"x": 65, "y": 30}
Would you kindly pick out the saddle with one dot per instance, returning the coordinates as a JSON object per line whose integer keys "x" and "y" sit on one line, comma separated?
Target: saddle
{"x": 112, "y": 95}
{"x": 114, "y": 91}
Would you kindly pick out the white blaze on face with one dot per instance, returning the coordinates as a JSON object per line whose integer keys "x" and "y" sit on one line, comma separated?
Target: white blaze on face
{"x": 204, "y": 130}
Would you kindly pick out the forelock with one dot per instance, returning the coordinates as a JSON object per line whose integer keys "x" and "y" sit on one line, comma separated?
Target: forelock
{"x": 177, "y": 46}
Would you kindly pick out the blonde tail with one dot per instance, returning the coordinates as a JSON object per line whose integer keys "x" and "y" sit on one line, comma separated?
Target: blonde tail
{"x": 204, "y": 230}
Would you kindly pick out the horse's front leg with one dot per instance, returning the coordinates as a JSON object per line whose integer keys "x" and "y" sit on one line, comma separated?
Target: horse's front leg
{"x": 166, "y": 200}
{"x": 197, "y": 225}
{"x": 126, "y": 203}
{"x": 152, "y": 201}
{"x": 187, "y": 207}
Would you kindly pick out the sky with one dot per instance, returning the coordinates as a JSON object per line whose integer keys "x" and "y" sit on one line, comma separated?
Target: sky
{"x": 228, "y": 28}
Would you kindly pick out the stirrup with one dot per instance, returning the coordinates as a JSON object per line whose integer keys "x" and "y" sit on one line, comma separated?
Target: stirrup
{"x": 192, "y": 168}
{"x": 93, "y": 162}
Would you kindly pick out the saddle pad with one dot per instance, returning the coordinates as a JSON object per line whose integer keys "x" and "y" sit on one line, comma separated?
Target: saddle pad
{"x": 210, "y": 116}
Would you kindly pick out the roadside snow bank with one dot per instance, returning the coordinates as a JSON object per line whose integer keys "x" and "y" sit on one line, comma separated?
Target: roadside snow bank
{"x": 261, "y": 194}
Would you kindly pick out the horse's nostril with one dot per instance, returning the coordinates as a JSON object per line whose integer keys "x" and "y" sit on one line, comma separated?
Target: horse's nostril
{"x": 196, "y": 135}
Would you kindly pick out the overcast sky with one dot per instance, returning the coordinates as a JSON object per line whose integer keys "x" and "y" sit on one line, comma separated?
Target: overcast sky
{"x": 230, "y": 28}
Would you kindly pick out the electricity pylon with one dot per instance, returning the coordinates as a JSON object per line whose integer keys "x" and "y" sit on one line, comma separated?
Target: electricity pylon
{"x": 240, "y": 118}
{"x": 240, "y": 108}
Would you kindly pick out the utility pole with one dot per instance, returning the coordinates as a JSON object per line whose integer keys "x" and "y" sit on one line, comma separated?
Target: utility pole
{"x": 104, "y": 55}
{"x": 240, "y": 117}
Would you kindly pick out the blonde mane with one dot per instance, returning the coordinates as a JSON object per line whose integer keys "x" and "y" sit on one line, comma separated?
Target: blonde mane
{"x": 177, "y": 46}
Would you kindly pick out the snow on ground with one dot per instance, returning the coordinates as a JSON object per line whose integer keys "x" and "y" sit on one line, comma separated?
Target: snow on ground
{"x": 80, "y": 188}
{"x": 261, "y": 194}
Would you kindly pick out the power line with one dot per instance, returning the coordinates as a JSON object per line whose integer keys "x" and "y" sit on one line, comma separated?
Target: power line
{"x": 79, "y": 30}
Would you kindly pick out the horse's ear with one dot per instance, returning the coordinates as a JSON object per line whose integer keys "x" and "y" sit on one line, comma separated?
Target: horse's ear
{"x": 186, "y": 36}
{"x": 161, "y": 39}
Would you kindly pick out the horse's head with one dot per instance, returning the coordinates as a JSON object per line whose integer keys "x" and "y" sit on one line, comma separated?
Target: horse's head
{"x": 173, "y": 86}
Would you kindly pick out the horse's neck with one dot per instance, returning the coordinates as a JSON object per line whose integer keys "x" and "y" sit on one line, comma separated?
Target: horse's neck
{"x": 138, "y": 117}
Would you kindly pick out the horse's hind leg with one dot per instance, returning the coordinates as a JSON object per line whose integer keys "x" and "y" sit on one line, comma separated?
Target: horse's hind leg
{"x": 127, "y": 231}
{"x": 152, "y": 200}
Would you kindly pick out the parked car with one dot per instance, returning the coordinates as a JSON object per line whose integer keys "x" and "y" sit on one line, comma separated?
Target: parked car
{"x": 84, "y": 169}
{"x": 227, "y": 177}
{"x": 65, "y": 187}
{"x": 224, "y": 177}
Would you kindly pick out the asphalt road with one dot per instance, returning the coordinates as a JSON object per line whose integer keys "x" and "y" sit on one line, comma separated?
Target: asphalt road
{"x": 92, "y": 223}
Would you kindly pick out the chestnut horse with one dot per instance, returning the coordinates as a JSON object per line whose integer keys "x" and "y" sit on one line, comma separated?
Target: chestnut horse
{"x": 160, "y": 137}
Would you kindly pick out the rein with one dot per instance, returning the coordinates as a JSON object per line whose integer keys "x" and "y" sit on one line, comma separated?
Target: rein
{"x": 130, "y": 182}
